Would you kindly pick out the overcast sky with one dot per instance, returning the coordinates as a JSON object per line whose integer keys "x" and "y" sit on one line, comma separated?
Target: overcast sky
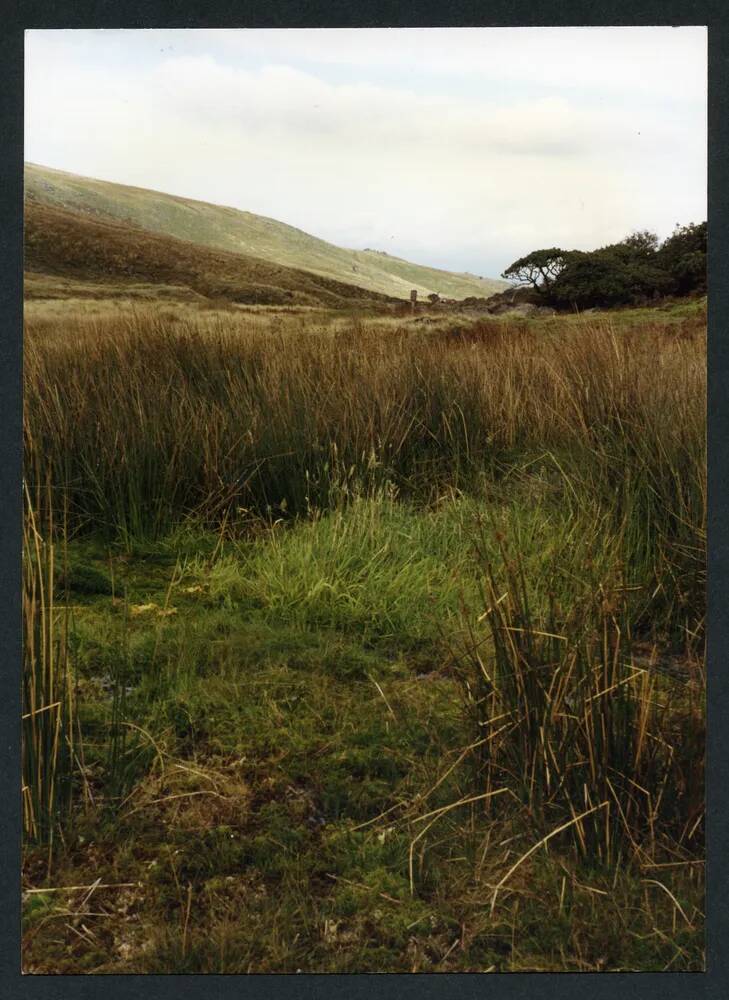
{"x": 460, "y": 148}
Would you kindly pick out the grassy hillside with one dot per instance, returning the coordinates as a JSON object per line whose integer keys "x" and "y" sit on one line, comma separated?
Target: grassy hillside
{"x": 228, "y": 229}
{"x": 66, "y": 244}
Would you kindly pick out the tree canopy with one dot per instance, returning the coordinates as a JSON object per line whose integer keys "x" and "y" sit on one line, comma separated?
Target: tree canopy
{"x": 539, "y": 269}
{"x": 635, "y": 271}
{"x": 683, "y": 256}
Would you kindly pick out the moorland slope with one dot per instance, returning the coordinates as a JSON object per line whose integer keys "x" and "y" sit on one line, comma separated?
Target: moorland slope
{"x": 116, "y": 257}
{"x": 219, "y": 228}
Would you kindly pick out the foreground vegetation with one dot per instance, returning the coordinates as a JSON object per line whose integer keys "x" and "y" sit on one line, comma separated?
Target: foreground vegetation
{"x": 386, "y": 642}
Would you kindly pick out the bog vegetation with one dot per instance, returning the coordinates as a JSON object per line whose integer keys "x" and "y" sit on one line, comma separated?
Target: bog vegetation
{"x": 355, "y": 643}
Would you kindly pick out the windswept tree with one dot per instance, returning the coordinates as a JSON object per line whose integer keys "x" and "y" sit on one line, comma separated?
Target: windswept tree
{"x": 540, "y": 268}
{"x": 635, "y": 271}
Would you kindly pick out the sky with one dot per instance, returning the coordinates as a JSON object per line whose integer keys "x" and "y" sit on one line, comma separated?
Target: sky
{"x": 462, "y": 148}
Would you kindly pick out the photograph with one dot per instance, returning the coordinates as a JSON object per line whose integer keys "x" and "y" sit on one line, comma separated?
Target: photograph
{"x": 364, "y": 486}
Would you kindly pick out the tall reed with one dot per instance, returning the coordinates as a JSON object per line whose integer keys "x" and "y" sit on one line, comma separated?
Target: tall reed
{"x": 584, "y": 726}
{"x": 141, "y": 421}
{"x": 48, "y": 695}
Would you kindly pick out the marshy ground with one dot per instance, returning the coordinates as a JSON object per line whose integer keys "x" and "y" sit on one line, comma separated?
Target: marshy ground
{"x": 359, "y": 628}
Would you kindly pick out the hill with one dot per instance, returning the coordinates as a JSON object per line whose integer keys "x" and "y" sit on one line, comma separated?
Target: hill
{"x": 234, "y": 231}
{"x": 63, "y": 244}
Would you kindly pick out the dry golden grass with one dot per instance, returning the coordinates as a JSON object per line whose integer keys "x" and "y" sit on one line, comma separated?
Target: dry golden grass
{"x": 145, "y": 417}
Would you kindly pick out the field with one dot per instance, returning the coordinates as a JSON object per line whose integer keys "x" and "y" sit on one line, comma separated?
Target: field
{"x": 358, "y": 642}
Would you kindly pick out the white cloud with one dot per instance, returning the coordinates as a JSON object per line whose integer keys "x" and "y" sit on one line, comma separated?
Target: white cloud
{"x": 460, "y": 178}
{"x": 663, "y": 61}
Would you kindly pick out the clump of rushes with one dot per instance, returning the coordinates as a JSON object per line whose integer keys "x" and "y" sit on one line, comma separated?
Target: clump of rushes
{"x": 48, "y": 696}
{"x": 592, "y": 738}
{"x": 142, "y": 423}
